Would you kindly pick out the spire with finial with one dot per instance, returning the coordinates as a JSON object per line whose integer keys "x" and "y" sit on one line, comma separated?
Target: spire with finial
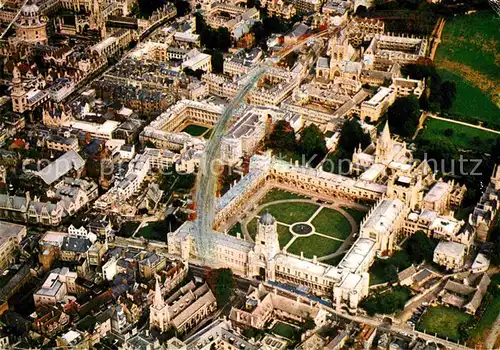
{"x": 386, "y": 134}
{"x": 158, "y": 302}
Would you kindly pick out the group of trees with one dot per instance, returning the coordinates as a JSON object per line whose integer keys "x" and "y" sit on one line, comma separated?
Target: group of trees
{"x": 438, "y": 95}
{"x": 147, "y": 7}
{"x": 351, "y": 137}
{"x": 417, "y": 249}
{"x": 214, "y": 39}
{"x": 404, "y": 115}
{"x": 386, "y": 303}
{"x": 310, "y": 143}
{"x": 222, "y": 284}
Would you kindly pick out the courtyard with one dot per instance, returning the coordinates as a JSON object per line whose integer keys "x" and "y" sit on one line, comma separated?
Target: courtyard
{"x": 307, "y": 227}
{"x": 196, "y": 130}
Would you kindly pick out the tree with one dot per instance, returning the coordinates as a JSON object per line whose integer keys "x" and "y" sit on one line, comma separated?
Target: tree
{"x": 309, "y": 324}
{"x": 448, "y": 94}
{"x": 312, "y": 143}
{"x": 420, "y": 247}
{"x": 439, "y": 150}
{"x": 217, "y": 61}
{"x": 404, "y": 115}
{"x": 391, "y": 273}
{"x": 282, "y": 137}
{"x": 351, "y": 137}
{"x": 222, "y": 282}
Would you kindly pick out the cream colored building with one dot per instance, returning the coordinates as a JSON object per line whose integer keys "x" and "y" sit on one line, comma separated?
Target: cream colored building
{"x": 184, "y": 310}
{"x": 10, "y": 238}
{"x": 56, "y": 287}
{"x": 451, "y": 255}
{"x": 30, "y": 26}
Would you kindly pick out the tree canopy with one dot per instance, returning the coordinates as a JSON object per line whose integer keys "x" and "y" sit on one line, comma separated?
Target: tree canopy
{"x": 404, "y": 115}
{"x": 282, "y": 137}
{"x": 222, "y": 282}
{"x": 438, "y": 95}
{"x": 312, "y": 142}
{"x": 215, "y": 39}
{"x": 351, "y": 137}
{"x": 420, "y": 247}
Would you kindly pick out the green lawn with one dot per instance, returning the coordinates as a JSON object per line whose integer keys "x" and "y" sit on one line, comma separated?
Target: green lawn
{"x": 235, "y": 229}
{"x": 473, "y": 41}
{"x": 444, "y": 321}
{"x": 314, "y": 245}
{"x": 252, "y": 227}
{"x": 277, "y": 194}
{"x": 356, "y": 214}
{"x": 208, "y": 134}
{"x": 153, "y": 230}
{"x": 463, "y": 137}
{"x": 285, "y": 330}
{"x": 468, "y": 55}
{"x": 195, "y": 130}
{"x": 290, "y": 213}
{"x": 471, "y": 102}
{"x": 284, "y": 235}
{"x": 332, "y": 223}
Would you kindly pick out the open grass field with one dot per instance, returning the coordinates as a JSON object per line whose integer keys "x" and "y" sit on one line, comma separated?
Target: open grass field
{"x": 472, "y": 40}
{"x": 314, "y": 245}
{"x": 291, "y": 212}
{"x": 463, "y": 137}
{"x": 128, "y": 228}
{"x": 332, "y": 223}
{"x": 195, "y": 130}
{"x": 277, "y": 194}
{"x": 334, "y": 261}
{"x": 235, "y": 229}
{"x": 471, "y": 101}
{"x": 444, "y": 321}
{"x": 468, "y": 55}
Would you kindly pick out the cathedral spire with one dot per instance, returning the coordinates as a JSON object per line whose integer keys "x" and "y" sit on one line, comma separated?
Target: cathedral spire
{"x": 386, "y": 134}
{"x": 158, "y": 302}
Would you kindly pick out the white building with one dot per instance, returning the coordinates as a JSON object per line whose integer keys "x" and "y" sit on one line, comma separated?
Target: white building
{"x": 451, "y": 255}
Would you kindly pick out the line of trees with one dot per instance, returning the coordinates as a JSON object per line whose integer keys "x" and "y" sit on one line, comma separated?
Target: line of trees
{"x": 309, "y": 143}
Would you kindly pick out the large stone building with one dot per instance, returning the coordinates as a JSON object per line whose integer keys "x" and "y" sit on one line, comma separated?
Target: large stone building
{"x": 10, "y": 238}
{"x": 184, "y": 310}
{"x": 31, "y": 26}
{"x": 387, "y": 175}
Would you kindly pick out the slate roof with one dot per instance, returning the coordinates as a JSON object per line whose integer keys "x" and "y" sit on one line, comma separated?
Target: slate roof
{"x": 76, "y": 244}
{"x": 70, "y": 160}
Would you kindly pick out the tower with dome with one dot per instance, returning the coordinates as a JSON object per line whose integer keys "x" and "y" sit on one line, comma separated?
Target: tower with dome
{"x": 31, "y": 26}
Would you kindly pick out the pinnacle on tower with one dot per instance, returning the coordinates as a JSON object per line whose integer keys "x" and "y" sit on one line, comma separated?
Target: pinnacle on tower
{"x": 386, "y": 134}
{"x": 158, "y": 302}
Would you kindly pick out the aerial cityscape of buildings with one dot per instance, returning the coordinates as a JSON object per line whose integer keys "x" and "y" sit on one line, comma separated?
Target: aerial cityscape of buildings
{"x": 240, "y": 174}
